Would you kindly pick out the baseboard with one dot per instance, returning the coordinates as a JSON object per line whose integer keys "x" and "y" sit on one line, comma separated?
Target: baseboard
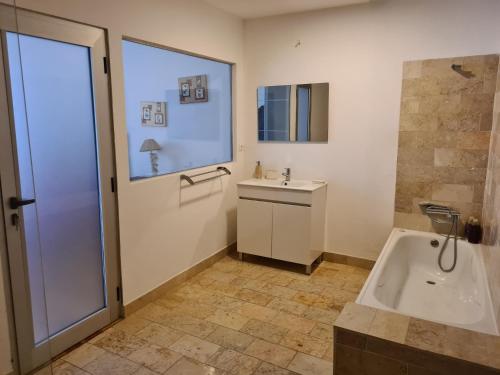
{"x": 349, "y": 260}
{"x": 175, "y": 281}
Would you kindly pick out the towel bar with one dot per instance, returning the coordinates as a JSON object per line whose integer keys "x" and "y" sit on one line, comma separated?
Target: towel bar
{"x": 190, "y": 180}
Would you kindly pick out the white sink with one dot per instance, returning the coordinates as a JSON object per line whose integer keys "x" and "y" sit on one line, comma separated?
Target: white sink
{"x": 304, "y": 185}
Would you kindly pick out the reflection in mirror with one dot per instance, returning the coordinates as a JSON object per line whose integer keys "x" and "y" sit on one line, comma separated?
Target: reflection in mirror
{"x": 293, "y": 113}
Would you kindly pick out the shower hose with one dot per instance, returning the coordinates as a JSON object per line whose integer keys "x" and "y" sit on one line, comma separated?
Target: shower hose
{"x": 454, "y": 226}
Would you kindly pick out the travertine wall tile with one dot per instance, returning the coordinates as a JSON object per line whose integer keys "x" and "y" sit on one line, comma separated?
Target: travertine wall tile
{"x": 445, "y": 136}
{"x": 491, "y": 211}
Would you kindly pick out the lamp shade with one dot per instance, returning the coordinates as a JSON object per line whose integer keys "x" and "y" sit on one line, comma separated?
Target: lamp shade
{"x": 150, "y": 145}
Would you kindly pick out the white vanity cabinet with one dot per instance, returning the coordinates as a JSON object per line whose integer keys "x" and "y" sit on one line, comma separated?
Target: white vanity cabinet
{"x": 285, "y": 222}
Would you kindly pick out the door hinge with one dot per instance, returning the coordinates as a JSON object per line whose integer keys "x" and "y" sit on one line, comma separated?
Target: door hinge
{"x": 118, "y": 293}
{"x": 113, "y": 188}
{"x": 105, "y": 63}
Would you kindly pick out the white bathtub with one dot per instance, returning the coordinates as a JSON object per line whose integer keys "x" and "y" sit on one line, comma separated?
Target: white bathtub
{"x": 406, "y": 279}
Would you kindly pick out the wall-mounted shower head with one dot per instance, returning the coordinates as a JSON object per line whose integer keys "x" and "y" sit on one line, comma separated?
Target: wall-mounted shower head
{"x": 464, "y": 73}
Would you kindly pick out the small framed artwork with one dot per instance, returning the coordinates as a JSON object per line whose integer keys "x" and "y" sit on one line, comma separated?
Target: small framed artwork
{"x": 154, "y": 114}
{"x": 199, "y": 93}
{"x": 193, "y": 89}
{"x": 185, "y": 90}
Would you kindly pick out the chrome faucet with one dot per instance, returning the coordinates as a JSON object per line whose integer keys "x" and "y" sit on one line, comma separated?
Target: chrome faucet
{"x": 287, "y": 174}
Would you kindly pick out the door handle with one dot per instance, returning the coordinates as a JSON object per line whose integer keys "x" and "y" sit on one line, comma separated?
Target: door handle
{"x": 15, "y": 203}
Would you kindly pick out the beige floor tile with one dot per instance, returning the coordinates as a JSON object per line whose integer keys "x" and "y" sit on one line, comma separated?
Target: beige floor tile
{"x": 194, "y": 308}
{"x": 228, "y": 319}
{"x": 170, "y": 300}
{"x": 269, "y": 369}
{"x": 306, "y": 298}
{"x": 224, "y": 288}
{"x": 279, "y": 291}
{"x": 154, "y": 357}
{"x": 268, "y": 306}
{"x": 307, "y": 365}
{"x": 305, "y": 286}
{"x": 230, "y": 339}
{"x": 159, "y": 335}
{"x": 257, "y": 285}
{"x": 320, "y": 315}
{"x": 272, "y": 353}
{"x": 305, "y": 344}
{"x": 219, "y": 275}
{"x": 195, "y": 348}
{"x": 145, "y": 371}
{"x": 264, "y": 330}
{"x": 152, "y": 312}
{"x": 66, "y": 368}
{"x": 118, "y": 342}
{"x": 277, "y": 278}
{"x": 253, "y": 296}
{"x": 101, "y": 335}
{"x": 234, "y": 362}
{"x": 111, "y": 364}
{"x": 253, "y": 311}
{"x": 83, "y": 355}
{"x": 294, "y": 322}
{"x": 132, "y": 324}
{"x": 323, "y": 331}
{"x": 335, "y": 299}
{"x": 221, "y": 301}
{"x": 189, "y": 324}
{"x": 287, "y": 306}
{"x": 187, "y": 366}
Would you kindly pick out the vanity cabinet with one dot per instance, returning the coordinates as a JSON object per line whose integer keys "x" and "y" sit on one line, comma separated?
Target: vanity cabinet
{"x": 281, "y": 222}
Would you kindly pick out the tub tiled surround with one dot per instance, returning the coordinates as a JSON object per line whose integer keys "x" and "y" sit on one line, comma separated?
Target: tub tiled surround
{"x": 372, "y": 342}
{"x": 444, "y": 136}
{"x": 491, "y": 211}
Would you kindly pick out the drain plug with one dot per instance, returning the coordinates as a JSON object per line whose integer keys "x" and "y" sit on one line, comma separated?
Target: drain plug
{"x": 431, "y": 282}
{"x": 434, "y": 243}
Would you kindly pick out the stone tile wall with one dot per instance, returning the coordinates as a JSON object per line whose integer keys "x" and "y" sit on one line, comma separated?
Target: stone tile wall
{"x": 444, "y": 137}
{"x": 491, "y": 210}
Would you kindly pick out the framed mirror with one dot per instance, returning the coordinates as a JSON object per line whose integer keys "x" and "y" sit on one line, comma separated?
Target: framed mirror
{"x": 293, "y": 113}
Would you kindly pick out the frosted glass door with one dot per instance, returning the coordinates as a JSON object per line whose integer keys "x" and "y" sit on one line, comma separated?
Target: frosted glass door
{"x": 58, "y": 167}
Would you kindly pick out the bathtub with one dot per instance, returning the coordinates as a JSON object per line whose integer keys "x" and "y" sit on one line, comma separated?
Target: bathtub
{"x": 406, "y": 279}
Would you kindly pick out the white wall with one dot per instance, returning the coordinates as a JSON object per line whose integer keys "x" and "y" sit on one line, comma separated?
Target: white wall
{"x": 360, "y": 51}
{"x": 162, "y": 231}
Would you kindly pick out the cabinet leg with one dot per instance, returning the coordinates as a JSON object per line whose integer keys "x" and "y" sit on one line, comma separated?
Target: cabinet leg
{"x": 308, "y": 269}
{"x": 240, "y": 255}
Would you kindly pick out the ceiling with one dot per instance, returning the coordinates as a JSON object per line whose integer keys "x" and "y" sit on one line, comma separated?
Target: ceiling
{"x": 262, "y": 8}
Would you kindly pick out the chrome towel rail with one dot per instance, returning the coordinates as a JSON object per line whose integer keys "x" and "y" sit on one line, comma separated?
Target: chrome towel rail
{"x": 190, "y": 180}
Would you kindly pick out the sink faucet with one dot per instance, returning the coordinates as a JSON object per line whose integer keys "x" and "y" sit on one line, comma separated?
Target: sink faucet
{"x": 287, "y": 174}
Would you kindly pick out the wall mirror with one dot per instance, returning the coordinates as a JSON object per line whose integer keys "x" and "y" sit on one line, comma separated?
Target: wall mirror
{"x": 293, "y": 113}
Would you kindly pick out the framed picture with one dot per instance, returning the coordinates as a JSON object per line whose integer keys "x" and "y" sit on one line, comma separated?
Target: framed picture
{"x": 146, "y": 113}
{"x": 193, "y": 89}
{"x": 159, "y": 119}
{"x": 200, "y": 93}
{"x": 154, "y": 114}
{"x": 185, "y": 90}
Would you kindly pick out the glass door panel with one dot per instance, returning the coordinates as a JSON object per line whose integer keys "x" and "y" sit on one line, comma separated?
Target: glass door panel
{"x": 58, "y": 167}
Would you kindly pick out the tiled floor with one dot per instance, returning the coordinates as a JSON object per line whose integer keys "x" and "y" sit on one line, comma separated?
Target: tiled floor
{"x": 233, "y": 318}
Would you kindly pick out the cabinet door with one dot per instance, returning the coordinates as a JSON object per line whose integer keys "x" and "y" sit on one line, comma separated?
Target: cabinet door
{"x": 291, "y": 233}
{"x": 255, "y": 225}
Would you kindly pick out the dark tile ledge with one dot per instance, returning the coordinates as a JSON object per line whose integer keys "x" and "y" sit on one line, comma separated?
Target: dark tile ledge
{"x": 372, "y": 341}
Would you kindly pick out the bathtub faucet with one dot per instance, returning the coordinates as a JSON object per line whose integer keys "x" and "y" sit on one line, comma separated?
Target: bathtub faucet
{"x": 434, "y": 211}
{"x": 431, "y": 209}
